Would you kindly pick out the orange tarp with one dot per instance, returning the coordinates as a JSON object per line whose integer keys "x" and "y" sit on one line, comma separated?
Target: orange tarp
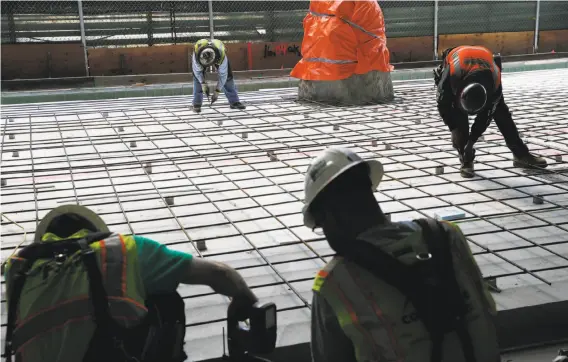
{"x": 334, "y": 49}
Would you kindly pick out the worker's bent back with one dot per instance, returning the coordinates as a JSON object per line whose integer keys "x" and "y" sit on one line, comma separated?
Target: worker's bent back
{"x": 383, "y": 324}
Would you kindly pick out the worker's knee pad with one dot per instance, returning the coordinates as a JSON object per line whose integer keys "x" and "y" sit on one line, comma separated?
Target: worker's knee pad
{"x": 166, "y": 329}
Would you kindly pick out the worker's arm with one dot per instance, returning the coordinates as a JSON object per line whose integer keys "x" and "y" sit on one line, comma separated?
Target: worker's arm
{"x": 223, "y": 74}
{"x": 329, "y": 343}
{"x": 197, "y": 69}
{"x": 162, "y": 270}
{"x": 445, "y": 100}
{"x": 220, "y": 277}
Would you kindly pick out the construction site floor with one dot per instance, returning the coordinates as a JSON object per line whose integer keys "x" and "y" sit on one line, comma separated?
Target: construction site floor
{"x": 233, "y": 180}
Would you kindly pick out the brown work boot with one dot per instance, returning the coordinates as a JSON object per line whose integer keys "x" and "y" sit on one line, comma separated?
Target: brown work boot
{"x": 466, "y": 158}
{"x": 529, "y": 161}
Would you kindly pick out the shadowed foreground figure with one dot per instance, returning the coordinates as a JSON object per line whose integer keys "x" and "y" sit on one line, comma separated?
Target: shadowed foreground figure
{"x": 82, "y": 293}
{"x": 469, "y": 83}
{"x": 395, "y": 291}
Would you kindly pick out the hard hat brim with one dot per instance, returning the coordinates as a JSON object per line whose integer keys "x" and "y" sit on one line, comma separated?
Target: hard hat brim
{"x": 79, "y": 210}
{"x": 376, "y": 172}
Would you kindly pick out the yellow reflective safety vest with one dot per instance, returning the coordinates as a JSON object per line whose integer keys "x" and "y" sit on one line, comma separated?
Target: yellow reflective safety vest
{"x": 383, "y": 324}
{"x": 54, "y": 320}
{"x": 218, "y": 46}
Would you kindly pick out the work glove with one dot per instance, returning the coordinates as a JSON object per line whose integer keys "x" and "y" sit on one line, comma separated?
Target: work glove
{"x": 205, "y": 88}
{"x": 215, "y": 96}
{"x": 240, "y": 305}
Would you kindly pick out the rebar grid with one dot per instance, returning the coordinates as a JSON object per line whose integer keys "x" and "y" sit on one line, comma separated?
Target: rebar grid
{"x": 242, "y": 194}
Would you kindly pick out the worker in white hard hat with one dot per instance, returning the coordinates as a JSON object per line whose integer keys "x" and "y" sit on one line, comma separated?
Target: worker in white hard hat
{"x": 83, "y": 293}
{"x": 211, "y": 53}
{"x": 395, "y": 291}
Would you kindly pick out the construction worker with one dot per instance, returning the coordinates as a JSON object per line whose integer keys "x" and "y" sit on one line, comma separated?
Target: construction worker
{"x": 380, "y": 298}
{"x": 469, "y": 83}
{"x": 100, "y": 296}
{"x": 211, "y": 53}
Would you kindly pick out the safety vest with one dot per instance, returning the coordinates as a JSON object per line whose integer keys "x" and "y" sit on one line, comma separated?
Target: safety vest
{"x": 218, "y": 46}
{"x": 465, "y": 59}
{"x": 382, "y": 323}
{"x": 54, "y": 315}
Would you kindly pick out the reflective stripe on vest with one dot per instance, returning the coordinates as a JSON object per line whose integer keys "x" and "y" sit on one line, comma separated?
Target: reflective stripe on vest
{"x": 465, "y": 59}
{"x": 332, "y": 61}
{"x": 314, "y": 13}
{"x": 76, "y": 310}
{"x": 74, "y": 305}
{"x": 362, "y": 323}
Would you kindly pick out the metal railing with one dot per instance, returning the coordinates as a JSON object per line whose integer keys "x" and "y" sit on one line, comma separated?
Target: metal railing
{"x": 150, "y": 23}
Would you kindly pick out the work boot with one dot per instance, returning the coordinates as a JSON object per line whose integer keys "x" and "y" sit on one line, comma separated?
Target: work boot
{"x": 529, "y": 161}
{"x": 238, "y": 105}
{"x": 466, "y": 158}
{"x": 197, "y": 108}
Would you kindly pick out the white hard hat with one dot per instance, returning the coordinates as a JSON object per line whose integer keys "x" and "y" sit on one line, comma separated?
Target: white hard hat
{"x": 326, "y": 168}
{"x": 207, "y": 56}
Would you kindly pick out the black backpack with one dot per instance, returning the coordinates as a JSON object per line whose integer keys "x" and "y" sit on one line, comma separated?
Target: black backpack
{"x": 430, "y": 284}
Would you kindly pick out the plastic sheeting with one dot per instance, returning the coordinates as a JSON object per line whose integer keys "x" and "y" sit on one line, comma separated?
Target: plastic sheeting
{"x": 342, "y": 38}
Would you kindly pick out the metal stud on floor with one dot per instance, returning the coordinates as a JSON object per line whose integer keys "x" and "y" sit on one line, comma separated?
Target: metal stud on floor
{"x": 15, "y": 154}
{"x": 169, "y": 200}
{"x": 336, "y": 127}
{"x": 388, "y": 146}
{"x": 538, "y": 200}
{"x": 492, "y": 284}
{"x": 4, "y": 182}
{"x": 148, "y": 168}
{"x": 11, "y": 136}
{"x": 417, "y": 121}
{"x": 133, "y": 144}
{"x": 120, "y": 129}
{"x": 245, "y": 135}
{"x": 272, "y": 156}
{"x": 481, "y": 138}
{"x": 439, "y": 170}
{"x": 388, "y": 217}
{"x": 105, "y": 114}
{"x": 558, "y": 158}
{"x": 10, "y": 120}
{"x": 219, "y": 123}
{"x": 374, "y": 143}
{"x": 201, "y": 245}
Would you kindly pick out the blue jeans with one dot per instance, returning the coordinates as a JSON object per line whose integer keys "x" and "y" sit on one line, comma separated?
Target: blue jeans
{"x": 230, "y": 90}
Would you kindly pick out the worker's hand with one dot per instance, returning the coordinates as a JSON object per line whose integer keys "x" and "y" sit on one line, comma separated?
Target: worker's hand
{"x": 241, "y": 304}
{"x": 205, "y": 88}
{"x": 214, "y": 96}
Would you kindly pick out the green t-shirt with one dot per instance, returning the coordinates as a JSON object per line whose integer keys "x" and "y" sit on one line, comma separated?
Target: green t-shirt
{"x": 161, "y": 269}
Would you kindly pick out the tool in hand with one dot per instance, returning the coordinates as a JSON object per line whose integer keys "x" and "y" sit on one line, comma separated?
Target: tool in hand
{"x": 258, "y": 336}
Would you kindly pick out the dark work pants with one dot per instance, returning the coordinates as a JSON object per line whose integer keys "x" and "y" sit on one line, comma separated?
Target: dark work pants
{"x": 503, "y": 120}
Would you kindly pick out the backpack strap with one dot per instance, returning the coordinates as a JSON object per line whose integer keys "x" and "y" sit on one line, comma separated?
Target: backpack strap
{"x": 455, "y": 308}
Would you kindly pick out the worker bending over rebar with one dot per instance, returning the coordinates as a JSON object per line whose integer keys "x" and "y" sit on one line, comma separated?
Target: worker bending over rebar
{"x": 469, "y": 83}
{"x": 211, "y": 53}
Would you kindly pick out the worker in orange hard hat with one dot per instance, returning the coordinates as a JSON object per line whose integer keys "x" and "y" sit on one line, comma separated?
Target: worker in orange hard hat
{"x": 469, "y": 83}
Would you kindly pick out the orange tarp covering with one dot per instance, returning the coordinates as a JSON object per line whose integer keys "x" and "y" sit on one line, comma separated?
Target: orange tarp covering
{"x": 332, "y": 38}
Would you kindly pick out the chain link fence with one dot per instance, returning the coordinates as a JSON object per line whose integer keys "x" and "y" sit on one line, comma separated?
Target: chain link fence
{"x": 152, "y": 23}
{"x": 40, "y": 22}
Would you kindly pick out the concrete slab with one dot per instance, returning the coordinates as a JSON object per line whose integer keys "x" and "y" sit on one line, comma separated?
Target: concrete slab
{"x": 244, "y": 193}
